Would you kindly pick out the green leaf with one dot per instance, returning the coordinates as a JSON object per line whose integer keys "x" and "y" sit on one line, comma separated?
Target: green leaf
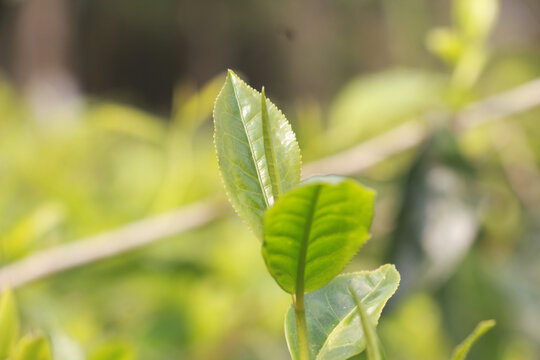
{"x": 9, "y": 324}
{"x": 240, "y": 147}
{"x": 313, "y": 231}
{"x": 361, "y": 109}
{"x": 334, "y": 328}
{"x": 460, "y": 352}
{"x": 373, "y": 345}
{"x": 33, "y": 347}
{"x": 113, "y": 350}
{"x": 475, "y": 19}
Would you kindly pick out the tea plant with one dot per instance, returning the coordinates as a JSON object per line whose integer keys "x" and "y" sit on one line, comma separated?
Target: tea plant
{"x": 309, "y": 229}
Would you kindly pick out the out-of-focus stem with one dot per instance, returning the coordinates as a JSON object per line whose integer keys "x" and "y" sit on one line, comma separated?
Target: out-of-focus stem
{"x": 301, "y": 326}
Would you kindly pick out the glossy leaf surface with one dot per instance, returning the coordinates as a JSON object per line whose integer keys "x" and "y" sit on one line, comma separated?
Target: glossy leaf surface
{"x": 33, "y": 347}
{"x": 334, "y": 327}
{"x": 461, "y": 351}
{"x": 313, "y": 231}
{"x": 240, "y": 147}
{"x": 9, "y": 324}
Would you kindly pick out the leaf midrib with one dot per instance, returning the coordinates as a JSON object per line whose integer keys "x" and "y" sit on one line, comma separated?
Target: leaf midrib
{"x": 250, "y": 142}
{"x": 300, "y": 272}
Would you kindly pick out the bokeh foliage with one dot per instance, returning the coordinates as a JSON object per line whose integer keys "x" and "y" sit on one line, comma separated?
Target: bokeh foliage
{"x": 459, "y": 216}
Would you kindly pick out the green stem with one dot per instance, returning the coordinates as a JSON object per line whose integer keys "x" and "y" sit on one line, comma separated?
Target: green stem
{"x": 301, "y": 326}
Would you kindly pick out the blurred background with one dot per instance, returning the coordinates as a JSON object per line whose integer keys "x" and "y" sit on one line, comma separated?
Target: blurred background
{"x": 105, "y": 119}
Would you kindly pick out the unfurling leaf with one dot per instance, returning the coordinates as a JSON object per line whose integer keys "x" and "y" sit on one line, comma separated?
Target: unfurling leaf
{"x": 460, "y": 352}
{"x": 313, "y": 231}
{"x": 334, "y": 327}
{"x": 240, "y": 145}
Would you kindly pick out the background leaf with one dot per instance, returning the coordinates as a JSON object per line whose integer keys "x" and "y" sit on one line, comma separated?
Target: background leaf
{"x": 361, "y": 109}
{"x": 460, "y": 352}
{"x": 33, "y": 347}
{"x": 240, "y": 150}
{"x": 313, "y": 231}
{"x": 334, "y": 328}
{"x": 9, "y": 324}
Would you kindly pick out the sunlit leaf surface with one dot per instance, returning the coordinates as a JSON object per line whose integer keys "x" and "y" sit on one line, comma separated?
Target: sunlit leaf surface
{"x": 313, "y": 231}
{"x": 241, "y": 154}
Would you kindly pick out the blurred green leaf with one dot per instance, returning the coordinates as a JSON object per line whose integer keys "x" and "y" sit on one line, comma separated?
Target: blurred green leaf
{"x": 371, "y": 104}
{"x": 475, "y": 18}
{"x": 313, "y": 231}
{"x": 446, "y": 44}
{"x": 415, "y": 330}
{"x": 460, "y": 352}
{"x": 192, "y": 107}
{"x": 374, "y": 347}
{"x": 9, "y": 324}
{"x": 128, "y": 121}
{"x": 334, "y": 327}
{"x": 113, "y": 350}
{"x": 18, "y": 240}
{"x": 240, "y": 150}
{"x": 33, "y": 347}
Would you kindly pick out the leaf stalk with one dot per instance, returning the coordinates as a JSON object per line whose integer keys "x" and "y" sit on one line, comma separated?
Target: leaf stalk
{"x": 301, "y": 325}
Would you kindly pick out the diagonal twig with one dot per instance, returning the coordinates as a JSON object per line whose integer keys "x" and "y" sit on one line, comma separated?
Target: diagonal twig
{"x": 359, "y": 158}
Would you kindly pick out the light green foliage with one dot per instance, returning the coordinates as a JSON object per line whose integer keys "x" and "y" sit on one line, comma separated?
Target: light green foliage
{"x": 475, "y": 19}
{"x": 113, "y": 350}
{"x": 361, "y": 109}
{"x": 461, "y": 351}
{"x": 9, "y": 324}
{"x": 313, "y": 231}
{"x": 334, "y": 327}
{"x": 33, "y": 347}
{"x": 374, "y": 348}
{"x": 415, "y": 330}
{"x": 240, "y": 148}
{"x": 463, "y": 46}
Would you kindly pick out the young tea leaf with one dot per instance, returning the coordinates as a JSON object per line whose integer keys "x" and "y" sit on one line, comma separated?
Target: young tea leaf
{"x": 9, "y": 324}
{"x": 240, "y": 144}
{"x": 334, "y": 327}
{"x": 460, "y": 352}
{"x": 33, "y": 347}
{"x": 313, "y": 231}
{"x": 373, "y": 345}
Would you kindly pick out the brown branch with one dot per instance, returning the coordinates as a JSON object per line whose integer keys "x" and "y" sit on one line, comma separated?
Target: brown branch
{"x": 369, "y": 153}
{"x": 361, "y": 157}
{"x": 108, "y": 244}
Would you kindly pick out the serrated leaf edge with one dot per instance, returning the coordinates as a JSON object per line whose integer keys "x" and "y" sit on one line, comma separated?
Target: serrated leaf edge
{"x": 288, "y": 125}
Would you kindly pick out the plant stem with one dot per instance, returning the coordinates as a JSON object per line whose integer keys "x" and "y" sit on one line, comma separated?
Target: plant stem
{"x": 301, "y": 326}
